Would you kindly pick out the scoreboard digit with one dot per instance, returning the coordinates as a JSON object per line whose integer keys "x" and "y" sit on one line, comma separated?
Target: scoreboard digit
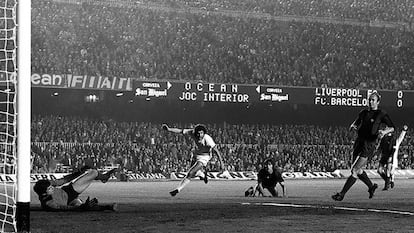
{"x": 400, "y": 95}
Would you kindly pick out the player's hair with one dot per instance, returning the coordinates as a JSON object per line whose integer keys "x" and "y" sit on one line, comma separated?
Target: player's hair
{"x": 375, "y": 93}
{"x": 269, "y": 160}
{"x": 41, "y": 186}
{"x": 198, "y": 128}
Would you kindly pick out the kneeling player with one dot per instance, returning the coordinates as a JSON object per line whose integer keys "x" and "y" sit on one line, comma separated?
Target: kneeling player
{"x": 63, "y": 194}
{"x": 267, "y": 179}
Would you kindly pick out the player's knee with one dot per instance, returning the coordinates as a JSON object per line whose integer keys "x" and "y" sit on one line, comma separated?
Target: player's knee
{"x": 191, "y": 174}
{"x": 92, "y": 173}
{"x": 356, "y": 172}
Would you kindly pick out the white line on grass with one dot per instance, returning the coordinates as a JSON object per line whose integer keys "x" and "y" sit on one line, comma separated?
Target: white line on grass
{"x": 332, "y": 207}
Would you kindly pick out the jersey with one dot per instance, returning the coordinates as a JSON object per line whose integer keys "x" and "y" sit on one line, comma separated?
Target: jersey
{"x": 60, "y": 198}
{"x": 269, "y": 180}
{"x": 204, "y": 146}
{"x": 369, "y": 122}
{"x": 387, "y": 148}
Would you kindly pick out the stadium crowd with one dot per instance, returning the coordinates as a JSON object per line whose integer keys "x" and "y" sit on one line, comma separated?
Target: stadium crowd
{"x": 366, "y": 10}
{"x": 158, "y": 40}
{"x": 144, "y": 148}
{"x": 154, "y": 43}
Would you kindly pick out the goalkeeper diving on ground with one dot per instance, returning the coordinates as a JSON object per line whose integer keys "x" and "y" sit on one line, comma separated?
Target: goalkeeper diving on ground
{"x": 63, "y": 194}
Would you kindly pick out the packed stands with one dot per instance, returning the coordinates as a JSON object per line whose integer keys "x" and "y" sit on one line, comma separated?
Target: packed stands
{"x": 144, "y": 147}
{"x": 366, "y": 10}
{"x": 345, "y": 43}
{"x": 130, "y": 39}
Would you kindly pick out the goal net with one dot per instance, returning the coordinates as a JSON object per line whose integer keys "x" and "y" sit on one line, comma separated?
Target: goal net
{"x": 8, "y": 115}
{"x": 13, "y": 193}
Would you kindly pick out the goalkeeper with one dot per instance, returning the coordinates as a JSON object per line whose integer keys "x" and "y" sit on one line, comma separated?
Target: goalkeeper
{"x": 63, "y": 194}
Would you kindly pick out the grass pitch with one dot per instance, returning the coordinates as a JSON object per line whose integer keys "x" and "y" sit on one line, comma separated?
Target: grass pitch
{"x": 220, "y": 206}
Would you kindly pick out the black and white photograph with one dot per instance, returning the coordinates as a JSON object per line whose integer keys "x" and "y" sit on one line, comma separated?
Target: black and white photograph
{"x": 206, "y": 116}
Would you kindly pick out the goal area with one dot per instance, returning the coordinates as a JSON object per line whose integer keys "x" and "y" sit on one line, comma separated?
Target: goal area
{"x": 15, "y": 113}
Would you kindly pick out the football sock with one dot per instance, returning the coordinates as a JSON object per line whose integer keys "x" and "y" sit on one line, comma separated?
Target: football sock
{"x": 383, "y": 176}
{"x": 364, "y": 178}
{"x": 101, "y": 176}
{"x": 183, "y": 183}
{"x": 348, "y": 184}
{"x": 104, "y": 177}
{"x": 68, "y": 178}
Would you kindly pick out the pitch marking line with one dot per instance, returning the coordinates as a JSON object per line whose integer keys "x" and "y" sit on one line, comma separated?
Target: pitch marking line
{"x": 332, "y": 207}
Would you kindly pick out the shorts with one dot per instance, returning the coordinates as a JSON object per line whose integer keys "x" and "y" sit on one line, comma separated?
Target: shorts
{"x": 72, "y": 194}
{"x": 385, "y": 159}
{"x": 203, "y": 159}
{"x": 363, "y": 148}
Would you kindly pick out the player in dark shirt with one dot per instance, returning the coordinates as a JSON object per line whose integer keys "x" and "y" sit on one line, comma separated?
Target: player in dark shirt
{"x": 267, "y": 179}
{"x": 63, "y": 194}
{"x": 367, "y": 125}
{"x": 388, "y": 149}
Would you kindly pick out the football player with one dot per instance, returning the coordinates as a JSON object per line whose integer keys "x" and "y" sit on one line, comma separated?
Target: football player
{"x": 62, "y": 194}
{"x": 388, "y": 149}
{"x": 267, "y": 179}
{"x": 368, "y": 130}
{"x": 204, "y": 146}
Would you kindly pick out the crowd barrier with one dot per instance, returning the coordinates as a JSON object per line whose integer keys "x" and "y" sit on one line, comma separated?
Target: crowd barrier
{"x": 244, "y": 175}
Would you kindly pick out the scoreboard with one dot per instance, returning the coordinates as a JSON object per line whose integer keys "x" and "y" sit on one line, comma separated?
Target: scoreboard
{"x": 241, "y": 93}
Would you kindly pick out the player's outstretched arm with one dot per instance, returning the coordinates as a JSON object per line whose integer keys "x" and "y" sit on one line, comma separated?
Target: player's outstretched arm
{"x": 54, "y": 206}
{"x": 355, "y": 123}
{"x": 402, "y": 135}
{"x": 175, "y": 130}
{"x": 353, "y": 126}
{"x": 383, "y": 132}
{"x": 260, "y": 190}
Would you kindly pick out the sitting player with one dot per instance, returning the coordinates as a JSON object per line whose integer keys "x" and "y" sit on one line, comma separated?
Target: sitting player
{"x": 63, "y": 194}
{"x": 388, "y": 148}
{"x": 267, "y": 179}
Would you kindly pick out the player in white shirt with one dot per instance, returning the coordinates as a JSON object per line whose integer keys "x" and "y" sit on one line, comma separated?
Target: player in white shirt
{"x": 204, "y": 145}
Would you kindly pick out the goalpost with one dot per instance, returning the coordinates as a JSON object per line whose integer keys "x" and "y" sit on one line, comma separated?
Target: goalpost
{"x": 15, "y": 115}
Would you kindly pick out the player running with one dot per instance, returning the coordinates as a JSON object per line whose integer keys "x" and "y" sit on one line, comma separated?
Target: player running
{"x": 388, "y": 148}
{"x": 63, "y": 194}
{"x": 367, "y": 125}
{"x": 204, "y": 145}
